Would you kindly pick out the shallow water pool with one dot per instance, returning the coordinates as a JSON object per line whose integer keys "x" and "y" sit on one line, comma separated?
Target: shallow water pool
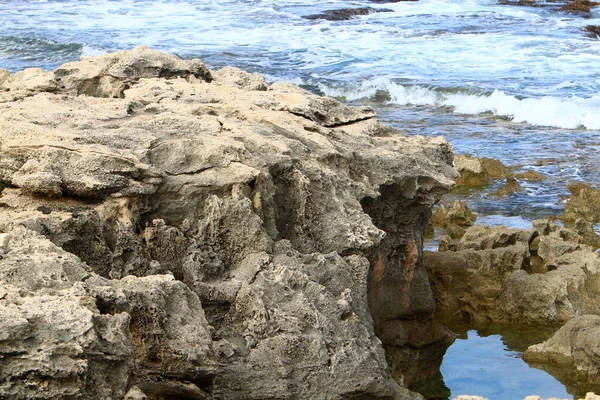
{"x": 487, "y": 362}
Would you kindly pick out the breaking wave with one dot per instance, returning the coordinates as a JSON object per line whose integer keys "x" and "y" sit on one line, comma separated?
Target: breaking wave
{"x": 560, "y": 112}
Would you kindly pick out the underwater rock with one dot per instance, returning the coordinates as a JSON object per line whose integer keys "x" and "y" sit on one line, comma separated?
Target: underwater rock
{"x": 592, "y": 30}
{"x": 511, "y": 186}
{"x": 531, "y": 176}
{"x": 203, "y": 234}
{"x": 579, "y": 6}
{"x": 344, "y": 14}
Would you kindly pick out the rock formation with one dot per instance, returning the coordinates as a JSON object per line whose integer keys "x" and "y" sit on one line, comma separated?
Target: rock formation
{"x": 453, "y": 217}
{"x": 546, "y": 275}
{"x": 583, "y": 203}
{"x": 475, "y": 171}
{"x": 344, "y": 14}
{"x": 174, "y": 232}
{"x": 574, "y": 346}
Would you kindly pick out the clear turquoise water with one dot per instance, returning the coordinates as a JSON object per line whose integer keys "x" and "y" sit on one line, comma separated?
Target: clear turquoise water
{"x": 520, "y": 84}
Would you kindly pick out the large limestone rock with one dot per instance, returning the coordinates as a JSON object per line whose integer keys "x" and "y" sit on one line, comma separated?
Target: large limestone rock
{"x": 69, "y": 333}
{"x": 105, "y": 76}
{"x": 237, "y": 240}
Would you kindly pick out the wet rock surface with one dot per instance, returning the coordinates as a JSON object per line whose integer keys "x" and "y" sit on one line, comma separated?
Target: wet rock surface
{"x": 593, "y": 31}
{"x": 475, "y": 171}
{"x": 203, "y": 234}
{"x": 344, "y": 14}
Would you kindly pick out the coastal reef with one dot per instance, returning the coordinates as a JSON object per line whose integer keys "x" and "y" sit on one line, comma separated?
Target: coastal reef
{"x": 170, "y": 231}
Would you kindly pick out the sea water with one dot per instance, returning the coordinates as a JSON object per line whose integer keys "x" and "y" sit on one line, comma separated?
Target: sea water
{"x": 520, "y": 84}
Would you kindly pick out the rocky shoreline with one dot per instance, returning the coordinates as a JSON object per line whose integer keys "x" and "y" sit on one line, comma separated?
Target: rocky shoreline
{"x": 546, "y": 277}
{"x": 170, "y": 231}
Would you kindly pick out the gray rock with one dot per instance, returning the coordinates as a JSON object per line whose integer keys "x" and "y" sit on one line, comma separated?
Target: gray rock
{"x": 224, "y": 232}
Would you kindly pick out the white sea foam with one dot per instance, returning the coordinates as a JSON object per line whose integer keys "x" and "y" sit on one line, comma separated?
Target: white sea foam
{"x": 91, "y": 51}
{"x": 568, "y": 112}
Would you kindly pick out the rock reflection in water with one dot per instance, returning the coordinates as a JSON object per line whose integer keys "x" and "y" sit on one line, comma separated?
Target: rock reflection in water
{"x": 487, "y": 362}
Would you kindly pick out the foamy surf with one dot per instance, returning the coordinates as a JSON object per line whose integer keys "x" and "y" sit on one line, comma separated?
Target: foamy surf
{"x": 560, "y": 112}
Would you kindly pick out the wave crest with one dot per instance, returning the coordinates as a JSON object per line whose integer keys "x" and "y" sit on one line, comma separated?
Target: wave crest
{"x": 560, "y": 112}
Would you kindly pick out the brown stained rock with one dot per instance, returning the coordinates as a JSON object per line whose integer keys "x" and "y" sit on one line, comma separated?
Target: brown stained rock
{"x": 580, "y": 6}
{"x": 531, "y": 176}
{"x": 476, "y": 171}
{"x": 481, "y": 237}
{"x": 345, "y": 14}
{"x": 467, "y": 282}
{"x": 511, "y": 186}
{"x": 587, "y": 233}
{"x": 544, "y": 275}
{"x": 471, "y": 170}
{"x": 524, "y": 3}
{"x": 453, "y": 217}
{"x": 583, "y": 203}
{"x": 397, "y": 295}
{"x": 217, "y": 238}
{"x": 592, "y": 30}
{"x": 494, "y": 168}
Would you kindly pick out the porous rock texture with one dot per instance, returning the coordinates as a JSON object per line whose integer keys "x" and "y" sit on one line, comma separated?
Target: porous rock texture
{"x": 174, "y": 232}
{"x": 545, "y": 275}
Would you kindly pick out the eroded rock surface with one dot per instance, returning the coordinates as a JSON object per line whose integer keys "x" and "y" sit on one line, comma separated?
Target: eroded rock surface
{"x": 575, "y": 346}
{"x": 583, "y": 203}
{"x": 455, "y": 217}
{"x": 544, "y": 275}
{"x": 202, "y": 234}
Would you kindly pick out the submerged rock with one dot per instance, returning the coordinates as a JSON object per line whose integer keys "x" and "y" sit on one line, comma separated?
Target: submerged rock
{"x": 531, "y": 175}
{"x": 202, "y": 234}
{"x": 593, "y": 31}
{"x": 579, "y": 6}
{"x": 511, "y": 186}
{"x": 344, "y": 14}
